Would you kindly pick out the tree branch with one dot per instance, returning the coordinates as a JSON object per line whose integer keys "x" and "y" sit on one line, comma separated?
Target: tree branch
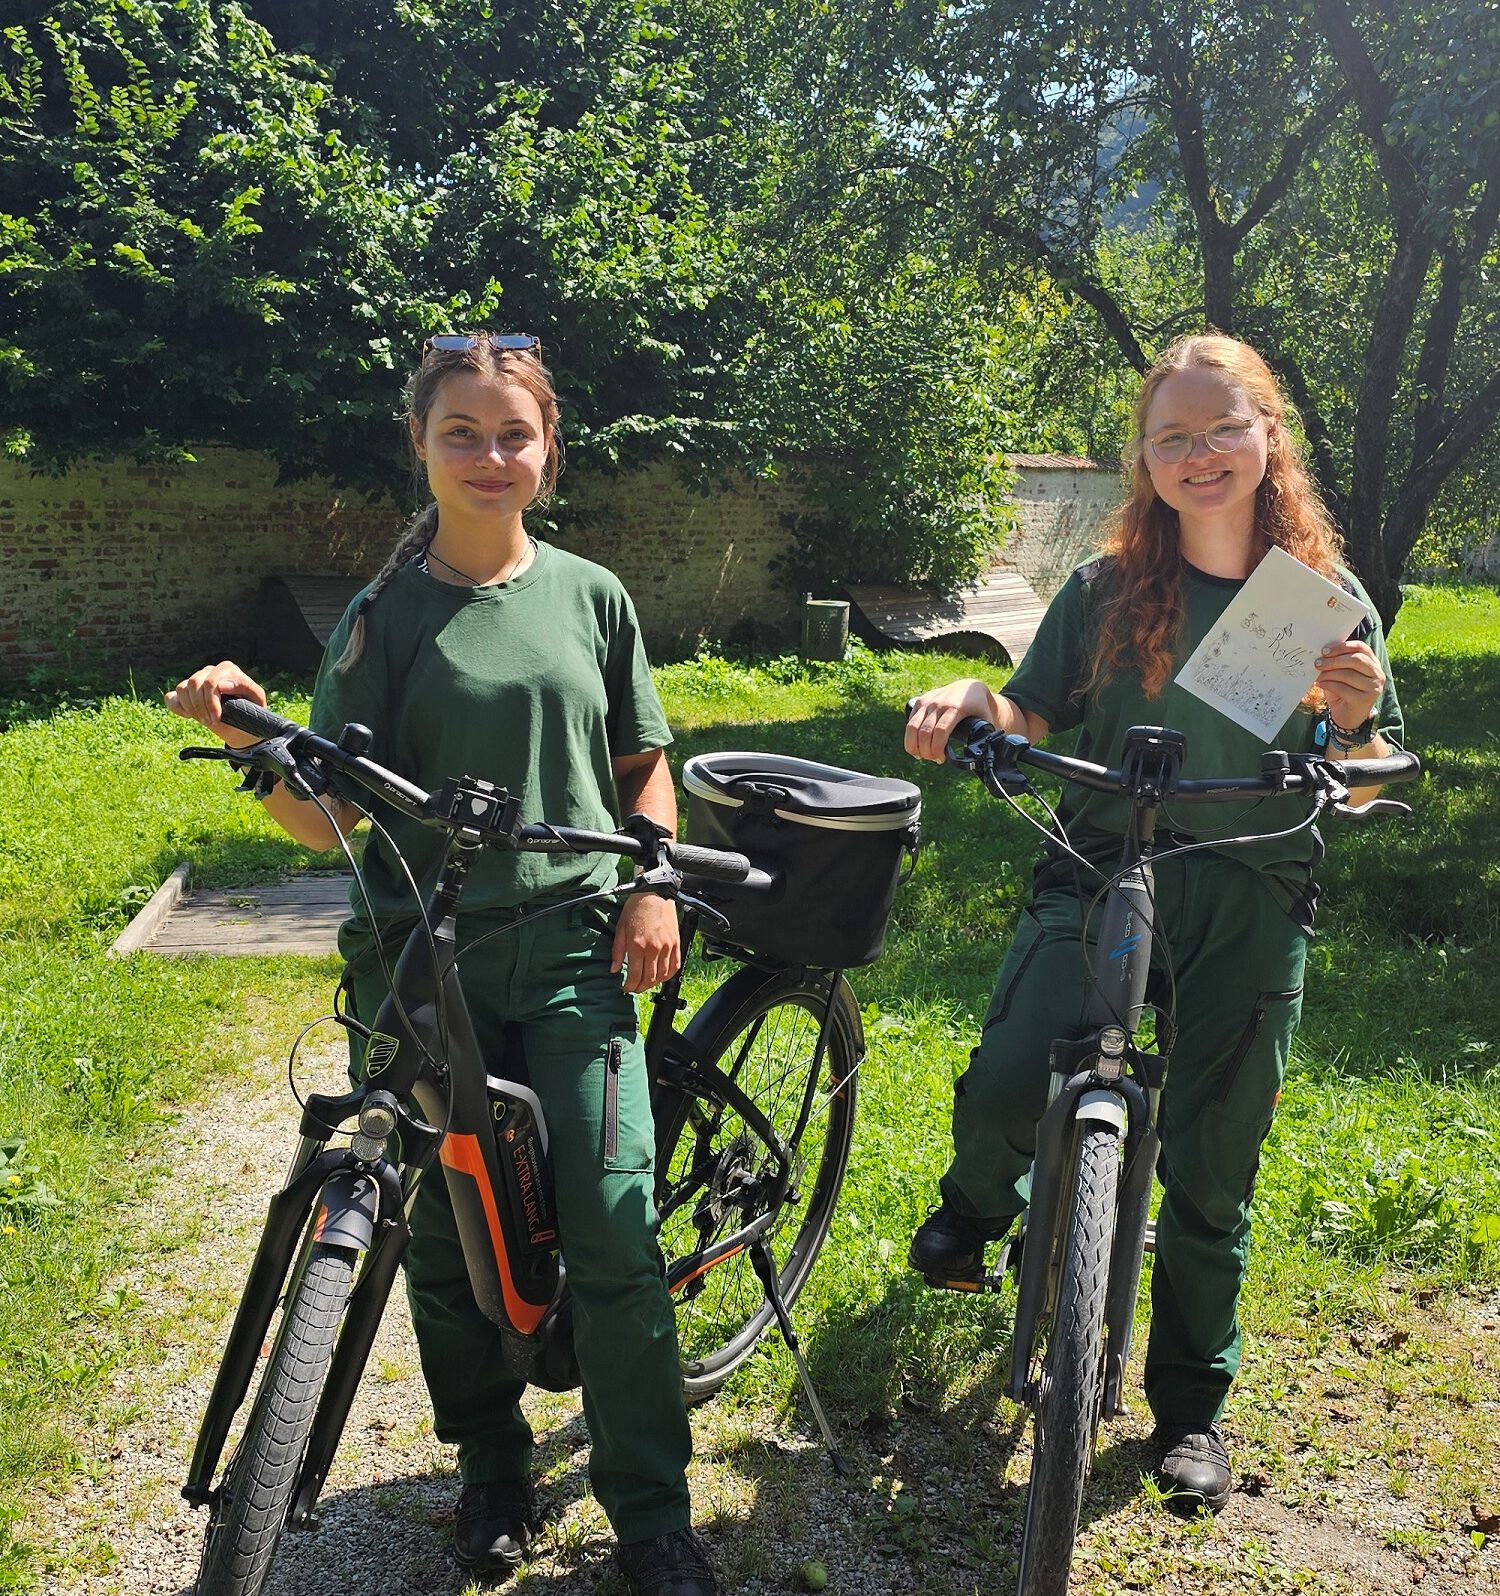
{"x": 1175, "y": 72}
{"x": 1324, "y": 457}
{"x": 1459, "y": 259}
{"x": 1071, "y": 276}
{"x": 1372, "y": 99}
{"x": 1292, "y": 152}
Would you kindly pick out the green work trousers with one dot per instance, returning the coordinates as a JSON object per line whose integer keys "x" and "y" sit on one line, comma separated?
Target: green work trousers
{"x": 1238, "y": 958}
{"x": 551, "y": 979}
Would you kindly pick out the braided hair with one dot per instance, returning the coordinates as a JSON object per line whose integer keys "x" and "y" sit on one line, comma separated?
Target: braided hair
{"x": 524, "y": 368}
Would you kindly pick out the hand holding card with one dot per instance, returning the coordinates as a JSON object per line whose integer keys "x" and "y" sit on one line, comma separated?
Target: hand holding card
{"x": 1256, "y": 662}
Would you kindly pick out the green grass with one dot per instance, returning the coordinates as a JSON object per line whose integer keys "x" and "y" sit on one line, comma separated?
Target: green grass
{"x": 1382, "y": 1174}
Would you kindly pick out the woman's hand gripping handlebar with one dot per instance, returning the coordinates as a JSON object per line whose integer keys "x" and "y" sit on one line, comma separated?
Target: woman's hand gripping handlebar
{"x": 306, "y": 763}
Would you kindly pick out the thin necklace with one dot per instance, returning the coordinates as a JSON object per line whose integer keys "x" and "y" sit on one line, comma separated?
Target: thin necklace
{"x": 514, "y": 566}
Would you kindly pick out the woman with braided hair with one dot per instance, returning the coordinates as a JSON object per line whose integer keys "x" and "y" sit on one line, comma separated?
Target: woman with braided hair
{"x": 479, "y": 650}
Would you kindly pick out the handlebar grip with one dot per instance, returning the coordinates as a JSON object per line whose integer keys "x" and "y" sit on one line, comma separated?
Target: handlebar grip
{"x": 1375, "y": 772}
{"x": 245, "y": 715}
{"x": 712, "y": 864}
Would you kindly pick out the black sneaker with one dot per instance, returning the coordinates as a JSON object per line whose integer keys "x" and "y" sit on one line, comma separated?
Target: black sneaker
{"x": 1192, "y": 1466}
{"x": 492, "y": 1528}
{"x": 675, "y": 1564}
{"x": 948, "y": 1250}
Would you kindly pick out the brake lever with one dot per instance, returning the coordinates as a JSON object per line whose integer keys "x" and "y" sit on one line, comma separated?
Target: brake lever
{"x": 1372, "y": 808}
{"x": 705, "y": 911}
{"x": 265, "y": 763}
{"x": 993, "y": 758}
{"x": 656, "y": 872}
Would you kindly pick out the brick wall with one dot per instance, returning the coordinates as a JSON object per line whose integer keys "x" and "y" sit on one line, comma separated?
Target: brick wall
{"x": 159, "y": 566}
{"x": 697, "y": 565}
{"x": 1062, "y": 502}
{"x": 145, "y": 566}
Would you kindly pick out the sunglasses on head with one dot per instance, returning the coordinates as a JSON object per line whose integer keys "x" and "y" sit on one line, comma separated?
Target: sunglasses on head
{"x": 517, "y": 343}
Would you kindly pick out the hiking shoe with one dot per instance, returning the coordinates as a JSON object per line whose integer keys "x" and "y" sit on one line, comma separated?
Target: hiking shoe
{"x": 948, "y": 1250}
{"x": 1192, "y": 1466}
{"x": 492, "y": 1527}
{"x": 675, "y": 1564}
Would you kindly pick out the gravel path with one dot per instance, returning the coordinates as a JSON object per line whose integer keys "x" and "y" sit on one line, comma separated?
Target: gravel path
{"x": 933, "y": 1504}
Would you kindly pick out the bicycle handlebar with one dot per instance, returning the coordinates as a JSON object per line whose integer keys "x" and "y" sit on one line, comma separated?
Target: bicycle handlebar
{"x": 473, "y": 806}
{"x": 975, "y": 744}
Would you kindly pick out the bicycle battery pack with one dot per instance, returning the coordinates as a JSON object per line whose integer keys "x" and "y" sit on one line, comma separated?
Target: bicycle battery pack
{"x": 493, "y": 1151}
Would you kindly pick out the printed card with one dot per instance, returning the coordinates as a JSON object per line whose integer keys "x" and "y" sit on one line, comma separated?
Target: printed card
{"x": 1259, "y": 658}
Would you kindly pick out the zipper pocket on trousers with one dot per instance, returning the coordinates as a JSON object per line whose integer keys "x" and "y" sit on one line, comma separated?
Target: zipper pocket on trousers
{"x": 1230, "y": 1073}
{"x": 612, "y": 1099}
{"x": 1232, "y": 1068}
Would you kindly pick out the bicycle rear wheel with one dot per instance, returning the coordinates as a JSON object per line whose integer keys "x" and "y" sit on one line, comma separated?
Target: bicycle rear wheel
{"x": 714, "y": 1171}
{"x": 250, "y": 1510}
{"x": 1071, "y": 1384}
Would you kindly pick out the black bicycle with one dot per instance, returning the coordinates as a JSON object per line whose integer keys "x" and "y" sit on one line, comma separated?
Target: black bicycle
{"x": 753, "y": 1102}
{"x": 1079, "y": 1247}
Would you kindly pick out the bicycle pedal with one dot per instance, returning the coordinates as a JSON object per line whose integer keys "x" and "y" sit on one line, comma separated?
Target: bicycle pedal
{"x": 943, "y": 1283}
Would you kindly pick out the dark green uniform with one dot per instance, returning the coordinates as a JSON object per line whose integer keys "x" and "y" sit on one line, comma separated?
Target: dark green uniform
{"x": 535, "y": 684}
{"x": 1235, "y": 921}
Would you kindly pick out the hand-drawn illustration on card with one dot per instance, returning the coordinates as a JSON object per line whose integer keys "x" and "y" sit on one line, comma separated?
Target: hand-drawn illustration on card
{"x": 1255, "y": 664}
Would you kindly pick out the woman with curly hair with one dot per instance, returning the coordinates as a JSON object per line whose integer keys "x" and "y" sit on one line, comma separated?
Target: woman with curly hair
{"x": 1216, "y": 480}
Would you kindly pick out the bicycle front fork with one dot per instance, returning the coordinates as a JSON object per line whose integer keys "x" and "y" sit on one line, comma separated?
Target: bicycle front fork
{"x": 1123, "y": 1107}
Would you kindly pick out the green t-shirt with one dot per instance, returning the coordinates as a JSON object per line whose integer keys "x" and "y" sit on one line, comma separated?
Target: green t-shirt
{"x": 535, "y": 684}
{"x": 1051, "y": 680}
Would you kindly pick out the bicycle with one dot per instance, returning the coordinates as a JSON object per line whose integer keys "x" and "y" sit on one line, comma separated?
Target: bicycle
{"x": 1078, "y": 1249}
{"x": 753, "y": 1102}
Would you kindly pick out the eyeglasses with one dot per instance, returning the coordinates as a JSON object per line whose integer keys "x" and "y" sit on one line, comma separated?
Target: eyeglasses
{"x": 1223, "y": 438}
{"x": 518, "y": 343}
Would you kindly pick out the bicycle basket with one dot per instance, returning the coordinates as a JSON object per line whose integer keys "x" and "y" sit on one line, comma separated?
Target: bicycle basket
{"x": 835, "y": 841}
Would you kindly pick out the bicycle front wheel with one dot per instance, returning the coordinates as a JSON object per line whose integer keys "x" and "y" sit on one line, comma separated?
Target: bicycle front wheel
{"x": 1071, "y": 1383}
{"x": 250, "y": 1510}
{"x": 715, "y": 1172}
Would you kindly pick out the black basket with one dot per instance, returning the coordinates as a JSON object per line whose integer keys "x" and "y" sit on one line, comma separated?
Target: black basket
{"x": 837, "y": 843}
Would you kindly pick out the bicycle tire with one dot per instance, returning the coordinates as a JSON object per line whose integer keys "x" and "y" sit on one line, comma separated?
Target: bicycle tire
{"x": 1071, "y": 1382}
{"x": 762, "y": 1032}
{"x": 250, "y": 1510}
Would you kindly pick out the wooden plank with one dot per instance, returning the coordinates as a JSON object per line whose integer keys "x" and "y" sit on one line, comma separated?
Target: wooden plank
{"x": 299, "y": 916}
{"x": 1002, "y": 608}
{"x": 147, "y": 924}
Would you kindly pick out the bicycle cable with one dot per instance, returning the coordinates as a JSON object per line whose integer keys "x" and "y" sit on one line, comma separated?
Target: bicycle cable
{"x": 340, "y": 1014}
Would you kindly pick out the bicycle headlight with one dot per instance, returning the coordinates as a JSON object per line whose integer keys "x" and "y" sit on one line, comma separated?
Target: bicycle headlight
{"x": 377, "y": 1119}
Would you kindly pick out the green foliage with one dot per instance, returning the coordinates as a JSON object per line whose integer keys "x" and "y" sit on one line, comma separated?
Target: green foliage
{"x": 1395, "y": 1209}
{"x": 209, "y": 232}
{"x": 22, "y": 1190}
{"x": 1319, "y": 178}
{"x": 891, "y": 401}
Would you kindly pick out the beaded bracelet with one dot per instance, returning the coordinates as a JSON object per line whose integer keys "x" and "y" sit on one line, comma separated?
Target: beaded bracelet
{"x": 1349, "y": 739}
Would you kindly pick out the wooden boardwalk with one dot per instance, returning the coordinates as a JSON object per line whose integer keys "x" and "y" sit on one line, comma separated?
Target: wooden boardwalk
{"x": 301, "y": 916}
{"x": 1000, "y": 611}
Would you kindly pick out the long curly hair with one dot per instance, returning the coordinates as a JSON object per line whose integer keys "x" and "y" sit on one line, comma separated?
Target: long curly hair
{"x": 521, "y": 366}
{"x": 1143, "y": 612}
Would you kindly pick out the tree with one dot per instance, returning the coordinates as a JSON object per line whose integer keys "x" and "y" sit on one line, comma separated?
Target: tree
{"x": 1333, "y": 169}
{"x": 210, "y": 232}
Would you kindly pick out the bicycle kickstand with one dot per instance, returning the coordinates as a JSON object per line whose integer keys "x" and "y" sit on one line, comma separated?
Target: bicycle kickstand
{"x": 765, "y": 1270}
